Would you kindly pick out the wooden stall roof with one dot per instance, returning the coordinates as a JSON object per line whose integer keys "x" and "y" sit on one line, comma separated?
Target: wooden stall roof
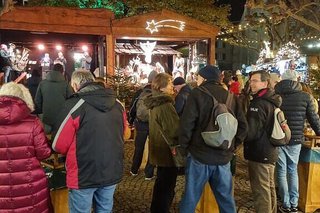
{"x": 135, "y": 27}
{"x": 127, "y": 48}
{"x": 58, "y": 20}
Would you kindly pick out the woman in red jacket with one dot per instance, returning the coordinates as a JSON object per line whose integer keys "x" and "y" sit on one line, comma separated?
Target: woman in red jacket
{"x": 23, "y": 184}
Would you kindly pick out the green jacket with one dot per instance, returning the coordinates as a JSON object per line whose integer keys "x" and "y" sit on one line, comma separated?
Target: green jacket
{"x": 163, "y": 118}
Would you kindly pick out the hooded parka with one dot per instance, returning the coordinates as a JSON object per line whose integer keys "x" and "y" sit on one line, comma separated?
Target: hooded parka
{"x": 91, "y": 136}
{"x": 162, "y": 115}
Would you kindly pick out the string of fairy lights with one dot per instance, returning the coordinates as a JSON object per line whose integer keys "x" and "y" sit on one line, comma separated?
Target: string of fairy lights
{"x": 222, "y": 36}
{"x": 242, "y": 42}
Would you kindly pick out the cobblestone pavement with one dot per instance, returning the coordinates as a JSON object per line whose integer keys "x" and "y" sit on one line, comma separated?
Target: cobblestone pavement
{"x": 133, "y": 194}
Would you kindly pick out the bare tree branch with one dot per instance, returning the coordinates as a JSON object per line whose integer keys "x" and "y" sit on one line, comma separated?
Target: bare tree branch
{"x": 307, "y": 22}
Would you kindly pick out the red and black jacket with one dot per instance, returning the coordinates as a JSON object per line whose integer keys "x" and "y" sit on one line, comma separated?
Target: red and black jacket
{"x": 91, "y": 137}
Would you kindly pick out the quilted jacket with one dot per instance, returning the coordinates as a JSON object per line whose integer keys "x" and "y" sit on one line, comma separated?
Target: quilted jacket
{"x": 23, "y": 184}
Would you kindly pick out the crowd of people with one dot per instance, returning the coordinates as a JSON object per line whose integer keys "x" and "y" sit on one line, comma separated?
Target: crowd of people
{"x": 87, "y": 124}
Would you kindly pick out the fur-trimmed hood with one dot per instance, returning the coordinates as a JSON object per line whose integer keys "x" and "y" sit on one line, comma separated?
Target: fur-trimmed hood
{"x": 15, "y": 103}
{"x": 19, "y": 91}
{"x": 156, "y": 99}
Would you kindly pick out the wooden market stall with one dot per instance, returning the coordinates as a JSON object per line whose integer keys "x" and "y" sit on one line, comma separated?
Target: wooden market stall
{"x": 46, "y": 20}
{"x": 164, "y": 25}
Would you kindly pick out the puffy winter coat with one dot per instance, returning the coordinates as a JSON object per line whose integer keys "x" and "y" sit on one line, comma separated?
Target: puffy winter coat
{"x": 23, "y": 184}
{"x": 164, "y": 116}
{"x": 297, "y": 106}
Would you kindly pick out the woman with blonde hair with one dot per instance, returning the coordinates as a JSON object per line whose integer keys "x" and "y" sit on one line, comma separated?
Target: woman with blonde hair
{"x": 23, "y": 144}
{"x": 163, "y": 129}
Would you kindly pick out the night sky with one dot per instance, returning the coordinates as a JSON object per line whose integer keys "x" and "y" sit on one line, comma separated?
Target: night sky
{"x": 237, "y": 8}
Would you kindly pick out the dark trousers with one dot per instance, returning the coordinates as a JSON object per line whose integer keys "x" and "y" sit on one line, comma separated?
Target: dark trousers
{"x": 163, "y": 190}
{"x": 140, "y": 140}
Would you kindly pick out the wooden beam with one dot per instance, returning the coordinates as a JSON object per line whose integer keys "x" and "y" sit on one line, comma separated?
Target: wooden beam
{"x": 110, "y": 57}
{"x": 58, "y": 19}
{"x": 212, "y": 50}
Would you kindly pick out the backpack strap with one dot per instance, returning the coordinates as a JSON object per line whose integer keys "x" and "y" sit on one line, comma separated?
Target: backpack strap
{"x": 229, "y": 97}
{"x": 229, "y": 100}
{"x": 205, "y": 90}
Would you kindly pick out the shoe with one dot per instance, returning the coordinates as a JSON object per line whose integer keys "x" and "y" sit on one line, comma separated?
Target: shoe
{"x": 294, "y": 210}
{"x": 149, "y": 178}
{"x": 284, "y": 209}
{"x": 133, "y": 174}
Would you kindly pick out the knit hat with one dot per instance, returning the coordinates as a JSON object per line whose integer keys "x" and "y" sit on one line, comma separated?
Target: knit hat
{"x": 178, "y": 81}
{"x": 289, "y": 75}
{"x": 152, "y": 75}
{"x": 210, "y": 72}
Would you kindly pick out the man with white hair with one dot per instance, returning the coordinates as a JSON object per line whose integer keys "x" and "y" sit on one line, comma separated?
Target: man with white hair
{"x": 91, "y": 136}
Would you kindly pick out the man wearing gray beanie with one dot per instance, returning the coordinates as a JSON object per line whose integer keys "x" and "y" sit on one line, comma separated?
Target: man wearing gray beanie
{"x": 206, "y": 163}
{"x": 297, "y": 106}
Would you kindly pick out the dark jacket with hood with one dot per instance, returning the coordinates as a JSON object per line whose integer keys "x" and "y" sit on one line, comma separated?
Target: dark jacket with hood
{"x": 181, "y": 99}
{"x": 163, "y": 119}
{"x": 260, "y": 116}
{"x": 91, "y": 136}
{"x": 51, "y": 95}
{"x": 139, "y": 125}
{"x": 297, "y": 106}
{"x": 195, "y": 118}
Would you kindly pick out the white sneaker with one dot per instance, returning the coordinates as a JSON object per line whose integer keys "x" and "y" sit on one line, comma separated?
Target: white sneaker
{"x": 149, "y": 178}
{"x": 133, "y": 174}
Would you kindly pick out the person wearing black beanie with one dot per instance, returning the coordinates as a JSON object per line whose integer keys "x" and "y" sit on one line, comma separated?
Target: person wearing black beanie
{"x": 210, "y": 72}
{"x": 207, "y": 164}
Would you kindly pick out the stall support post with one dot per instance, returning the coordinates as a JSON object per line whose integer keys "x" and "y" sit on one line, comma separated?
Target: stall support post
{"x": 212, "y": 50}
{"x": 110, "y": 58}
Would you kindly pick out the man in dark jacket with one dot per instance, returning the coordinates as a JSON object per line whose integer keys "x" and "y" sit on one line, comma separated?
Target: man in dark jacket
{"x": 91, "y": 136}
{"x": 297, "y": 106}
{"x": 258, "y": 150}
{"x": 51, "y": 95}
{"x": 183, "y": 90}
{"x": 206, "y": 163}
{"x": 142, "y": 131}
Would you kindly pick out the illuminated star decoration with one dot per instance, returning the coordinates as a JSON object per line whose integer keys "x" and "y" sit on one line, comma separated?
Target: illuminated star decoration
{"x": 153, "y": 26}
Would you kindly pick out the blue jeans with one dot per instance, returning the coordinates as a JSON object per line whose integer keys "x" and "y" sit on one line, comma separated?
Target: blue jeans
{"x": 80, "y": 200}
{"x": 220, "y": 180}
{"x": 7, "y": 70}
{"x": 287, "y": 175}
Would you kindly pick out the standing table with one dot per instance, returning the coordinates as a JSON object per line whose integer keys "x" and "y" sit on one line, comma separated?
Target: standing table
{"x": 309, "y": 174}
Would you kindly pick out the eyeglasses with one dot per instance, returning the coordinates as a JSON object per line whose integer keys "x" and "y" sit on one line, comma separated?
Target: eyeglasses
{"x": 255, "y": 81}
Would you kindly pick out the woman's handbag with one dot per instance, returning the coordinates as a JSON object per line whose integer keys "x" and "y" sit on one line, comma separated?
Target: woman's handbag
{"x": 178, "y": 153}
